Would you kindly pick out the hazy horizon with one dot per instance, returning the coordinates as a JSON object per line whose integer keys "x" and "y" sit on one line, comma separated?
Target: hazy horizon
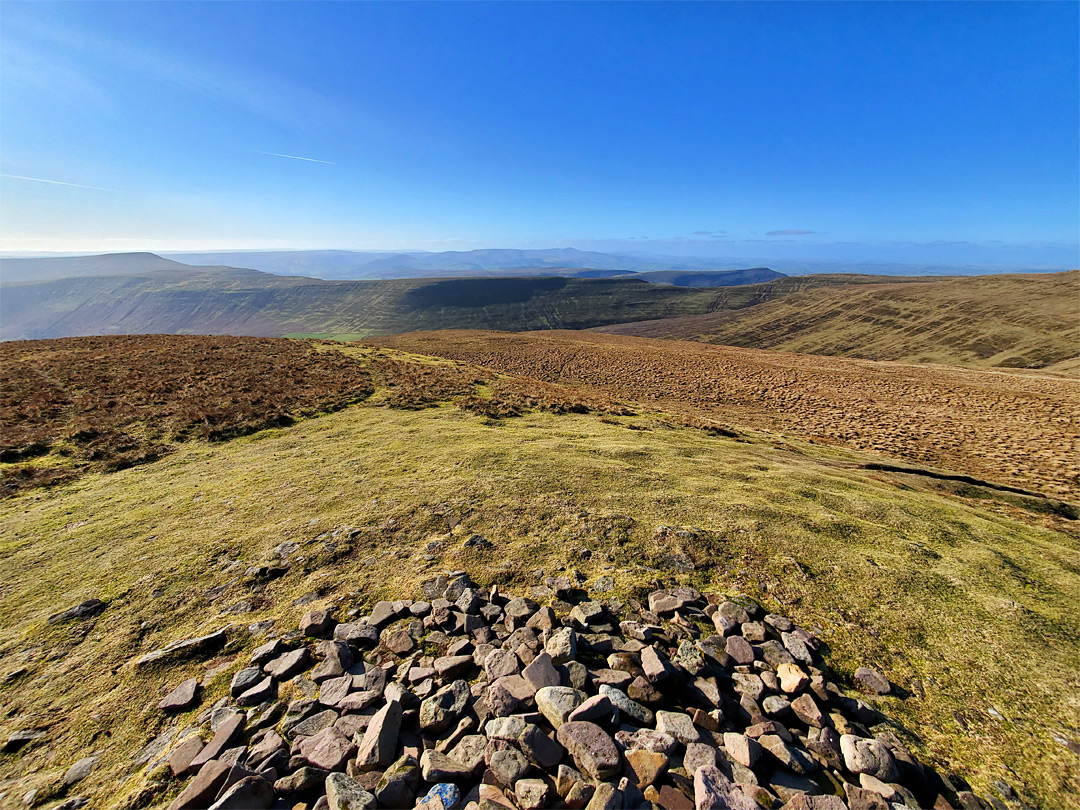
{"x": 871, "y": 132}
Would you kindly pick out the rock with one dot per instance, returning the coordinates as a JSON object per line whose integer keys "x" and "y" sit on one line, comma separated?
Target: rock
{"x": 228, "y": 734}
{"x": 345, "y": 793}
{"x": 557, "y": 702}
{"x": 655, "y": 665}
{"x": 872, "y": 681}
{"x": 84, "y": 610}
{"x": 258, "y": 694}
{"x": 539, "y": 748}
{"x": 301, "y": 780}
{"x": 678, "y": 725}
{"x": 443, "y": 796}
{"x": 399, "y": 642}
{"x": 500, "y": 663}
{"x": 382, "y": 614}
{"x": 665, "y": 603}
{"x": 648, "y": 739}
{"x": 182, "y": 756}
{"x": 748, "y": 684}
{"x": 689, "y": 658}
{"x": 670, "y": 798}
{"x": 184, "y": 649}
{"x": 250, "y": 793}
{"x": 508, "y": 765}
{"x": 359, "y": 635}
{"x": 776, "y": 706}
{"x": 80, "y": 770}
{"x": 587, "y": 614}
{"x": 868, "y": 756}
{"x": 470, "y": 752}
{"x": 288, "y": 664}
{"x": 775, "y": 653}
{"x": 741, "y": 748}
{"x": 802, "y": 801}
{"x": 793, "y": 759}
{"x": 244, "y": 680}
{"x": 597, "y": 707}
{"x": 740, "y": 650}
{"x": 531, "y": 794}
{"x": 504, "y": 728}
{"x": 314, "y": 724}
{"x": 714, "y": 791}
{"x": 181, "y": 698}
{"x": 450, "y": 666}
{"x": 329, "y": 749}
{"x": 646, "y": 766}
{"x": 541, "y": 672}
{"x": 562, "y": 645}
{"x": 808, "y": 712}
{"x": 594, "y": 752}
{"x": 317, "y": 623}
{"x": 520, "y": 608}
{"x": 379, "y": 745}
{"x": 698, "y": 755}
{"x": 398, "y": 785}
{"x": 442, "y": 708}
{"x": 436, "y": 767}
{"x": 605, "y": 797}
{"x": 632, "y": 709}
{"x": 792, "y": 678}
{"x": 201, "y": 791}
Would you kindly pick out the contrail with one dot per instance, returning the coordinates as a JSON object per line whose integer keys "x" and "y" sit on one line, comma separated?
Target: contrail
{"x": 58, "y": 182}
{"x": 294, "y": 157}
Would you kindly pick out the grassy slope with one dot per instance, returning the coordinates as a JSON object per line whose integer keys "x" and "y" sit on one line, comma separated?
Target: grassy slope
{"x": 1025, "y": 321}
{"x": 977, "y": 603}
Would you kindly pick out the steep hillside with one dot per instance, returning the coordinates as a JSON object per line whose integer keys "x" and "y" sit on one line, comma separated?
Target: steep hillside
{"x": 1006, "y": 321}
{"x": 253, "y": 303}
{"x": 964, "y": 599}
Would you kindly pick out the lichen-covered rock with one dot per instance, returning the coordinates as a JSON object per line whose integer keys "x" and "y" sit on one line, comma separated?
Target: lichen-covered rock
{"x": 593, "y": 750}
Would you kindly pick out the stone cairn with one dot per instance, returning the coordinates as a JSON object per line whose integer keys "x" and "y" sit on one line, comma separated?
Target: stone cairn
{"x": 471, "y": 699}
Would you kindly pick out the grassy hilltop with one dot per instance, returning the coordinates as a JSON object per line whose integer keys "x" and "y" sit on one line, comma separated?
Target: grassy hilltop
{"x": 1006, "y": 321}
{"x": 966, "y": 597}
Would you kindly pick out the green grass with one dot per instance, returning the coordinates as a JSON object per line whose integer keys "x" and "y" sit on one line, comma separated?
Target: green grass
{"x": 978, "y": 605}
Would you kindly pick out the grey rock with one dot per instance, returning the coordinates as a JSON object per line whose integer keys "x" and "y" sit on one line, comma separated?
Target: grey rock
{"x": 562, "y": 645}
{"x": 631, "y": 708}
{"x": 678, "y": 725}
{"x": 244, "y": 680}
{"x": 249, "y": 793}
{"x": 80, "y": 770}
{"x": 379, "y": 745}
{"x": 436, "y": 767}
{"x": 714, "y": 791}
{"x": 288, "y": 664}
{"x": 183, "y": 649}
{"x": 345, "y": 793}
{"x": 508, "y": 765}
{"x": 398, "y": 785}
{"x": 557, "y": 702}
{"x": 539, "y": 748}
{"x": 541, "y": 672}
{"x": 442, "y": 708}
{"x": 84, "y": 610}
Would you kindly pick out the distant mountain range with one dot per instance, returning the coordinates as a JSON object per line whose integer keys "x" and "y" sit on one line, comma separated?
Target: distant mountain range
{"x": 138, "y": 293}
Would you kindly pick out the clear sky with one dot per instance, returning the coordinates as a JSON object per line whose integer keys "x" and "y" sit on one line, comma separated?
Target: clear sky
{"x": 891, "y": 131}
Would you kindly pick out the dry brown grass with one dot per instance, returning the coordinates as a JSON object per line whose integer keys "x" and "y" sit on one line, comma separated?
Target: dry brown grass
{"x": 79, "y": 404}
{"x": 1013, "y": 428}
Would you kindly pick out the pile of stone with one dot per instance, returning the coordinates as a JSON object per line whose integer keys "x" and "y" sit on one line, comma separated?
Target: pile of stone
{"x": 472, "y": 699}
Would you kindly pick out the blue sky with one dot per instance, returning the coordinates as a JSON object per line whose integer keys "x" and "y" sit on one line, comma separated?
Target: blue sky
{"x": 865, "y": 131}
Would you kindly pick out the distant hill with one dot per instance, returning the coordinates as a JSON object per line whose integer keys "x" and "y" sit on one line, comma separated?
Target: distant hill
{"x": 348, "y": 264}
{"x": 1011, "y": 321}
{"x": 246, "y": 302}
{"x": 711, "y": 278}
{"x": 108, "y": 264}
